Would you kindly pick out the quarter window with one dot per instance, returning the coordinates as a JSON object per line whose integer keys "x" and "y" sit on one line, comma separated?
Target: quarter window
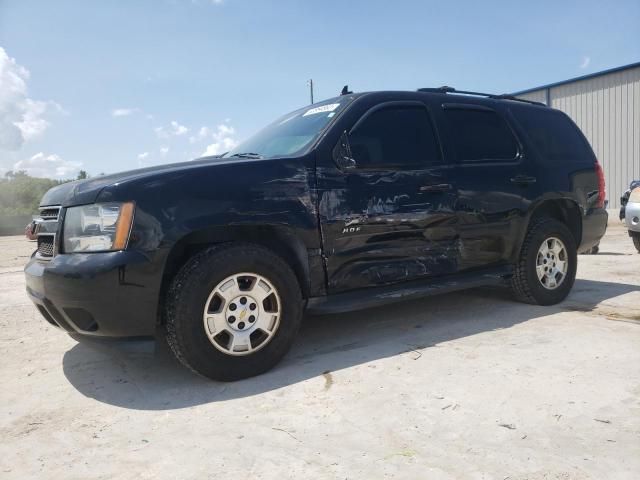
{"x": 554, "y": 135}
{"x": 481, "y": 135}
{"x": 395, "y": 137}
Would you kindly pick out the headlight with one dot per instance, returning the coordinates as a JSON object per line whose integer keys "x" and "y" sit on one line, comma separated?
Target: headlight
{"x": 98, "y": 227}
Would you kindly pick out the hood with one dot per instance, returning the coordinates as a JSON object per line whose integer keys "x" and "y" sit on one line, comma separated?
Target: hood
{"x": 82, "y": 192}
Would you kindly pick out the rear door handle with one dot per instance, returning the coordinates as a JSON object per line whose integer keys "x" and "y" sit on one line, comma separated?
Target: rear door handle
{"x": 438, "y": 187}
{"x": 523, "y": 180}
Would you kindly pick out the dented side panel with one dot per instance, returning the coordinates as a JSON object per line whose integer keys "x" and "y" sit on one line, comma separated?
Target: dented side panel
{"x": 380, "y": 228}
{"x": 383, "y": 226}
{"x": 491, "y": 207}
{"x": 270, "y": 194}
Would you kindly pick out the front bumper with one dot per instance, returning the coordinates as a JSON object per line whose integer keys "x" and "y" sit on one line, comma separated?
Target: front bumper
{"x": 632, "y": 216}
{"x": 111, "y": 294}
{"x": 594, "y": 226}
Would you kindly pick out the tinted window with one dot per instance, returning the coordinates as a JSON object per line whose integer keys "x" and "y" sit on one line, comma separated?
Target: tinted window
{"x": 553, "y": 135}
{"x": 480, "y": 135}
{"x": 395, "y": 136}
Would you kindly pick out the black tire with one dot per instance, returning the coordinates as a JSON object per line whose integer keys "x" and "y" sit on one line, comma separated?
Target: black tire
{"x": 524, "y": 283}
{"x": 188, "y": 295}
{"x": 636, "y": 241}
{"x": 593, "y": 250}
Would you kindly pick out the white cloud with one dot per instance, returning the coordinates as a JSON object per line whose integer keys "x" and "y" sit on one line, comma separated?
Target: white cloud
{"x": 585, "y": 62}
{"x": 32, "y": 124}
{"x": 178, "y": 129}
{"x": 21, "y": 118}
{"x": 203, "y": 133}
{"x": 164, "y": 151}
{"x": 124, "y": 112}
{"x": 141, "y": 159}
{"x": 49, "y": 166}
{"x": 224, "y": 140}
{"x": 174, "y": 129}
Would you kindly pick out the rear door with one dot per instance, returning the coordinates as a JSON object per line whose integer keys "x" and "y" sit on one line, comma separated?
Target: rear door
{"x": 389, "y": 218}
{"x": 495, "y": 182}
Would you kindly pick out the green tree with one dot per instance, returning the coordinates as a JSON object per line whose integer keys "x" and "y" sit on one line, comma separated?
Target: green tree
{"x": 20, "y": 193}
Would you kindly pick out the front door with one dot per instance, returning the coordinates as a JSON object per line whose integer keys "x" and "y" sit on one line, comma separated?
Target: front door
{"x": 388, "y": 218}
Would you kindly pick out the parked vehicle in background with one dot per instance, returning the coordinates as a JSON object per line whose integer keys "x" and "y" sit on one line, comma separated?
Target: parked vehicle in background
{"x": 354, "y": 202}
{"x": 630, "y": 212}
{"x": 625, "y": 198}
{"x": 31, "y": 230}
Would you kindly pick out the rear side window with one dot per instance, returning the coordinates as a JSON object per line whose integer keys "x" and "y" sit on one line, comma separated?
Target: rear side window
{"x": 553, "y": 135}
{"x": 480, "y": 135}
{"x": 395, "y": 137}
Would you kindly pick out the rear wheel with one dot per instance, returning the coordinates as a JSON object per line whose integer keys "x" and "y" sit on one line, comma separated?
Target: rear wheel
{"x": 546, "y": 269}
{"x": 233, "y": 311}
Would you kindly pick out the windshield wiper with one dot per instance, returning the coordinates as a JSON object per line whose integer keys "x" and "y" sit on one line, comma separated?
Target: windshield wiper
{"x": 246, "y": 155}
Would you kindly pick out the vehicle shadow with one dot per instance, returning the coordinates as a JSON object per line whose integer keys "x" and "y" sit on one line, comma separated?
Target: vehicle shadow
{"x": 143, "y": 375}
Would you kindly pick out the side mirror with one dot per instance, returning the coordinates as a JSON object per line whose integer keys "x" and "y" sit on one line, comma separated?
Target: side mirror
{"x": 342, "y": 153}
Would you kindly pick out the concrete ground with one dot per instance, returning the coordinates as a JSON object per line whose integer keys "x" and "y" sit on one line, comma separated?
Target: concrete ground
{"x": 464, "y": 386}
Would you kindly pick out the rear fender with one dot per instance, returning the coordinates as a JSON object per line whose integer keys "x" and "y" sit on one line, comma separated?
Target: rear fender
{"x": 563, "y": 209}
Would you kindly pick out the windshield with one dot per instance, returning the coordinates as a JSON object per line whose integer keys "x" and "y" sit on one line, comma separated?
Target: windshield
{"x": 291, "y": 133}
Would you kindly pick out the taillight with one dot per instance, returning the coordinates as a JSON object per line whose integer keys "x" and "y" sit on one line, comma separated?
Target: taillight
{"x": 602, "y": 193}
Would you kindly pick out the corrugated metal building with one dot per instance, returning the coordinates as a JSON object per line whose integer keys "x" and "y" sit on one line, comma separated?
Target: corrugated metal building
{"x": 606, "y": 107}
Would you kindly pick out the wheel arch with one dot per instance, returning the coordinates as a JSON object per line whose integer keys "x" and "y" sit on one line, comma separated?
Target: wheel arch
{"x": 279, "y": 240}
{"x": 565, "y": 210}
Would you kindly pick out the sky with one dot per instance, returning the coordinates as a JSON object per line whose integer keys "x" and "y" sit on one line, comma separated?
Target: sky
{"x": 106, "y": 86}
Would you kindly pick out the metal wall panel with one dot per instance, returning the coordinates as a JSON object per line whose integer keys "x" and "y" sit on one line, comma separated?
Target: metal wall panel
{"x": 607, "y": 110}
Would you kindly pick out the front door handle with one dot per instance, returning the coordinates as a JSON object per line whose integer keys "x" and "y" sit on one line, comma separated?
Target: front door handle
{"x": 523, "y": 180}
{"x": 438, "y": 187}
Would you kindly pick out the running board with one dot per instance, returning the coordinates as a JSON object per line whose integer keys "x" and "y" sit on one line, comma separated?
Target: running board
{"x": 376, "y": 296}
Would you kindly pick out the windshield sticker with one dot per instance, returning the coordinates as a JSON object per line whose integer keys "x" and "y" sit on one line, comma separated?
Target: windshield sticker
{"x": 324, "y": 108}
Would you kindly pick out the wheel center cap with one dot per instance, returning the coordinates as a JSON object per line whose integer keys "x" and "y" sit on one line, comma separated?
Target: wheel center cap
{"x": 241, "y": 313}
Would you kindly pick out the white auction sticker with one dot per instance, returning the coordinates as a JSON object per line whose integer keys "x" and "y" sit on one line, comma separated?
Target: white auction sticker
{"x": 324, "y": 108}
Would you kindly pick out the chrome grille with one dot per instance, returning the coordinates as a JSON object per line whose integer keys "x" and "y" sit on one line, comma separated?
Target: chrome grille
{"x": 45, "y": 245}
{"x": 47, "y": 228}
{"x": 49, "y": 213}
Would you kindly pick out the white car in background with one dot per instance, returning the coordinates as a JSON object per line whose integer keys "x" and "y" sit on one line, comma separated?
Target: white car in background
{"x": 632, "y": 216}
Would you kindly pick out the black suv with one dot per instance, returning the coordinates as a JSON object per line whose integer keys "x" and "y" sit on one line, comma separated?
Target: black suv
{"x": 351, "y": 203}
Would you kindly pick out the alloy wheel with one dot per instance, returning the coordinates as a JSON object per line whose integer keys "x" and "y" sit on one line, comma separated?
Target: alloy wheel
{"x": 242, "y": 314}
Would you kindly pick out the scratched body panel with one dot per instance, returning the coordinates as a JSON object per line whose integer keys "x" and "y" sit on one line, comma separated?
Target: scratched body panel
{"x": 273, "y": 192}
{"x": 216, "y": 197}
{"x": 379, "y": 228}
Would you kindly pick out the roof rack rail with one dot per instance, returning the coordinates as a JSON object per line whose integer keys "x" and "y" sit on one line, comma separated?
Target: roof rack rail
{"x": 504, "y": 96}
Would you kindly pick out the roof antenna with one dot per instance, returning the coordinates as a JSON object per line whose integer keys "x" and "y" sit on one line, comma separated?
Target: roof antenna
{"x": 345, "y": 90}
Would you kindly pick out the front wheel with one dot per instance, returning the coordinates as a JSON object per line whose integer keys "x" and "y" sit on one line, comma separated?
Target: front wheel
{"x": 546, "y": 269}
{"x": 233, "y": 311}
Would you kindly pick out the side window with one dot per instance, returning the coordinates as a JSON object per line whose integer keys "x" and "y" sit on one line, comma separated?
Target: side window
{"x": 553, "y": 135}
{"x": 480, "y": 135}
{"x": 395, "y": 137}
